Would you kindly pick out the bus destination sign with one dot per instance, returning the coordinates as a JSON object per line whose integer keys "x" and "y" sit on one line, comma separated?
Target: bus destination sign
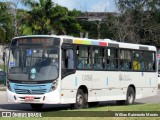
{"x": 45, "y": 41}
{"x": 37, "y": 41}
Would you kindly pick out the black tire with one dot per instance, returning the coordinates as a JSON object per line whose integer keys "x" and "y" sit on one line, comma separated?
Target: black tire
{"x": 93, "y": 104}
{"x": 36, "y": 106}
{"x": 130, "y": 97}
{"x": 81, "y": 100}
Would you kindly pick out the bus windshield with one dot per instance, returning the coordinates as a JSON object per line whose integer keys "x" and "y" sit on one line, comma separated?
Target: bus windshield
{"x": 33, "y": 63}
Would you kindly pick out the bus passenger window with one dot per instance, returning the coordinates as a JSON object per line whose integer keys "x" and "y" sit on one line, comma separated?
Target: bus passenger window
{"x": 142, "y": 64}
{"x": 112, "y": 60}
{"x": 83, "y": 57}
{"x": 125, "y": 59}
{"x": 98, "y": 58}
{"x": 136, "y": 65}
{"x": 136, "y": 61}
{"x": 149, "y": 61}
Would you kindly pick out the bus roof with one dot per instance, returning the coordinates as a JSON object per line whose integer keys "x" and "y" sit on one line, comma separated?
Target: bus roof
{"x": 97, "y": 42}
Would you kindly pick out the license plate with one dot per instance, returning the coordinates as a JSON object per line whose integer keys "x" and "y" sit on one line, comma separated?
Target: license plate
{"x": 29, "y": 98}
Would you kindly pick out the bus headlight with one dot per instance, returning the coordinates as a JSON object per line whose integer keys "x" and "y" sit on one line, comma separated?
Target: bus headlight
{"x": 54, "y": 85}
{"x": 8, "y": 85}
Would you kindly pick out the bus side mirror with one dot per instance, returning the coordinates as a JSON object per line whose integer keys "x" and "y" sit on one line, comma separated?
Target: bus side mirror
{"x": 4, "y": 55}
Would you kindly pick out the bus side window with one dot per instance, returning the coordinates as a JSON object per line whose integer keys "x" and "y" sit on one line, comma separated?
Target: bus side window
{"x": 68, "y": 59}
{"x": 142, "y": 64}
{"x": 112, "y": 60}
{"x": 83, "y": 57}
{"x": 150, "y": 61}
{"x": 136, "y": 65}
{"x": 136, "y": 61}
{"x": 98, "y": 58}
{"x": 125, "y": 60}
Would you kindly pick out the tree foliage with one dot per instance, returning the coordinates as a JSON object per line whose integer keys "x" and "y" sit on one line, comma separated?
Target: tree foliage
{"x": 139, "y": 21}
{"x": 6, "y": 29}
{"x": 46, "y": 17}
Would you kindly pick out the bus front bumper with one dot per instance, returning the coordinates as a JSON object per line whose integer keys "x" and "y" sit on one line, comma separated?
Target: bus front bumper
{"x": 47, "y": 98}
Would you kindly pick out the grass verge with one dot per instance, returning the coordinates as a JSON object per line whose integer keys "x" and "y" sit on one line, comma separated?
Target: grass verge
{"x": 80, "y": 114}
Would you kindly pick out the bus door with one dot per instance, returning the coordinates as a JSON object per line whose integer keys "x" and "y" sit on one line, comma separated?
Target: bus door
{"x": 67, "y": 67}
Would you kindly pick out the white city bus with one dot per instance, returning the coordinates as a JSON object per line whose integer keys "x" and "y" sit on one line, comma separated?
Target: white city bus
{"x": 50, "y": 69}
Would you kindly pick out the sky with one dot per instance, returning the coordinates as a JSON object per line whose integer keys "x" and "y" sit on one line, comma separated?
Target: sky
{"x": 89, "y": 5}
{"x": 84, "y": 5}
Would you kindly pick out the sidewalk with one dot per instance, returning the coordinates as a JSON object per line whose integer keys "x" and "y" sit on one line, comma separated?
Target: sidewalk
{"x": 2, "y": 87}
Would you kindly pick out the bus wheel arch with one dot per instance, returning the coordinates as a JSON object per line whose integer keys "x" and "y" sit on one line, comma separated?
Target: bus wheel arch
{"x": 81, "y": 98}
{"x": 134, "y": 88}
{"x": 130, "y": 96}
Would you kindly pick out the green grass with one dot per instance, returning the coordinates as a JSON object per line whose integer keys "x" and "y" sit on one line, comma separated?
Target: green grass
{"x": 68, "y": 118}
{"x": 135, "y": 107}
{"x": 104, "y": 110}
{"x": 98, "y": 110}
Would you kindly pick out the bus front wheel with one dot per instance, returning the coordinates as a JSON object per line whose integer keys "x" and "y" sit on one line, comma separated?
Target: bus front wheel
{"x": 81, "y": 100}
{"x": 130, "y": 97}
{"x": 36, "y": 106}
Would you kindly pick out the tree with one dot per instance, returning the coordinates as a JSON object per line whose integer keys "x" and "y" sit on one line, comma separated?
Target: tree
{"x": 139, "y": 5}
{"x": 13, "y": 10}
{"x": 45, "y": 17}
{"x": 6, "y": 29}
{"x": 139, "y": 21}
{"x": 38, "y": 17}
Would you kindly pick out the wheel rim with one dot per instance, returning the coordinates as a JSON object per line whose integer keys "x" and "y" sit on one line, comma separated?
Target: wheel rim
{"x": 79, "y": 100}
{"x": 130, "y": 98}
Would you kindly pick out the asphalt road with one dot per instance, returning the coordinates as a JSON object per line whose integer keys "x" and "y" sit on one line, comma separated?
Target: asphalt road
{"x": 5, "y": 106}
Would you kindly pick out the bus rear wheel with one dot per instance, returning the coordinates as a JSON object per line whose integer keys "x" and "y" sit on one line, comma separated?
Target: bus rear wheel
{"x": 81, "y": 100}
{"x": 130, "y": 97}
{"x": 36, "y": 106}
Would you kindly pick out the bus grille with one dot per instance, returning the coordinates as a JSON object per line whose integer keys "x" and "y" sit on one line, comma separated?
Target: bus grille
{"x": 31, "y": 89}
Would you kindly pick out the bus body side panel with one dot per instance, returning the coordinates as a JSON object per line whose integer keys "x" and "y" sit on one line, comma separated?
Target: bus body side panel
{"x": 101, "y": 85}
{"x": 151, "y": 84}
{"x": 68, "y": 89}
{"x": 108, "y": 85}
{"x": 145, "y": 83}
{"x": 71, "y": 83}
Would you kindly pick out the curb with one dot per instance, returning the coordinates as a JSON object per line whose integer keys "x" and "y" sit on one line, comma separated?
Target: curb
{"x": 2, "y": 88}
